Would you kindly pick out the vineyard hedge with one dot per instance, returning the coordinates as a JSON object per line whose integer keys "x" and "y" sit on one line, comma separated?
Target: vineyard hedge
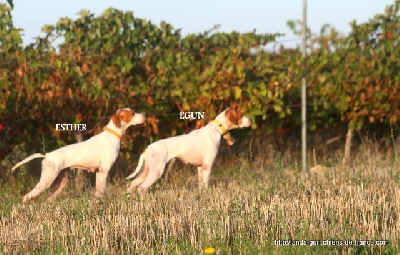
{"x": 81, "y": 70}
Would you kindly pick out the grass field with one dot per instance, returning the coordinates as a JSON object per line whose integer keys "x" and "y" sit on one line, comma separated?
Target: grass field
{"x": 247, "y": 208}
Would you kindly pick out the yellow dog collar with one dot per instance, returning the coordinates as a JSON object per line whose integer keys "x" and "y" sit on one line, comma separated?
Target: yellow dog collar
{"x": 219, "y": 124}
{"x": 113, "y": 132}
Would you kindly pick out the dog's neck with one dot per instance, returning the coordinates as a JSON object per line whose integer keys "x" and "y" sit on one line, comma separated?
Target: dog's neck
{"x": 218, "y": 126}
{"x": 114, "y": 130}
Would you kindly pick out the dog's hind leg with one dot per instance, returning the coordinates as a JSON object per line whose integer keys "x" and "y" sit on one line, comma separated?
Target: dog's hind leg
{"x": 58, "y": 185}
{"x": 156, "y": 169}
{"x": 153, "y": 176}
{"x": 50, "y": 172}
{"x": 141, "y": 178}
{"x": 168, "y": 170}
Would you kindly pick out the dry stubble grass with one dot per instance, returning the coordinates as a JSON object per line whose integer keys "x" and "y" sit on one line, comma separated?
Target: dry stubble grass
{"x": 245, "y": 210}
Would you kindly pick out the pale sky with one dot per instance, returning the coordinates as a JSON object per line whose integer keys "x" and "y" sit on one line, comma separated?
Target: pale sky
{"x": 194, "y": 16}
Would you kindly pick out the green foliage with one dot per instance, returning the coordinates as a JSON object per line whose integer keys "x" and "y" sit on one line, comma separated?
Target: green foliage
{"x": 358, "y": 75}
{"x": 116, "y": 60}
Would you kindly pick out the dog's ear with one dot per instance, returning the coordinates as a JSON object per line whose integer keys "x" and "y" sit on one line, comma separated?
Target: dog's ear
{"x": 116, "y": 118}
{"x": 234, "y": 106}
{"x": 234, "y": 116}
{"x": 229, "y": 138}
{"x": 126, "y": 115}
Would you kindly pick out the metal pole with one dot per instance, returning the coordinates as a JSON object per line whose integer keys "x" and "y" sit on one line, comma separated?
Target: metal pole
{"x": 303, "y": 95}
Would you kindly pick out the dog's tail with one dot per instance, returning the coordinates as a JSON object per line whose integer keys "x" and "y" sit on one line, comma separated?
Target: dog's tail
{"x": 36, "y": 155}
{"x": 138, "y": 168}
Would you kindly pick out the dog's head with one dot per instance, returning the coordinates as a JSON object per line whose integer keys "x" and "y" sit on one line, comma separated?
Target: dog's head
{"x": 229, "y": 119}
{"x": 124, "y": 118}
{"x": 233, "y": 118}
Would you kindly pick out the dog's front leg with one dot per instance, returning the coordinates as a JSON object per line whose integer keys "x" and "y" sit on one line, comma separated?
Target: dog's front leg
{"x": 101, "y": 180}
{"x": 204, "y": 173}
{"x": 200, "y": 177}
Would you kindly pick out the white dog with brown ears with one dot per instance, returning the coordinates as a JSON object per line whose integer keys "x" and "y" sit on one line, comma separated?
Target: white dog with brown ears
{"x": 98, "y": 152}
{"x": 198, "y": 148}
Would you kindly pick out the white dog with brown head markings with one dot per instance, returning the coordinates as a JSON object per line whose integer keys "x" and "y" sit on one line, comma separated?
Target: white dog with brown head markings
{"x": 198, "y": 148}
{"x": 98, "y": 152}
